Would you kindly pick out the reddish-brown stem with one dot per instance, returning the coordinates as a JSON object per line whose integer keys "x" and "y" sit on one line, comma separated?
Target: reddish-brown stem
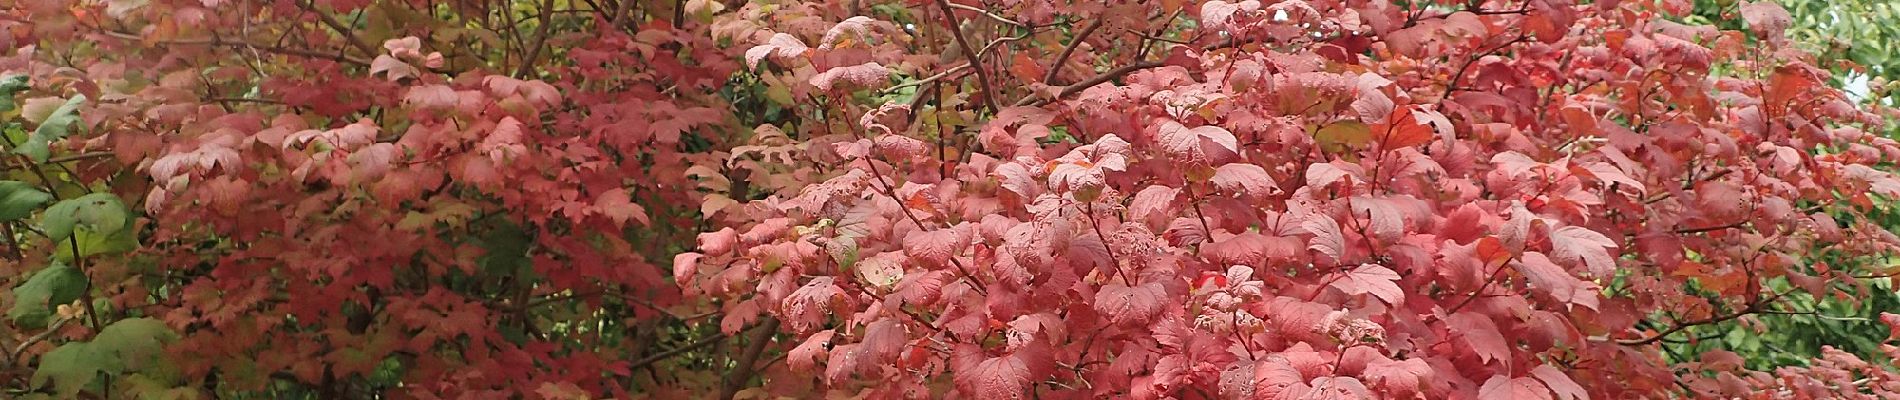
{"x": 969, "y": 54}
{"x": 1104, "y": 77}
{"x": 1063, "y": 57}
{"x": 1089, "y": 209}
{"x": 1753, "y": 307}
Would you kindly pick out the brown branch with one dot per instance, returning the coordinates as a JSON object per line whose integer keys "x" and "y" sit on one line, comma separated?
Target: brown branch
{"x": 220, "y": 42}
{"x": 1753, "y": 307}
{"x": 348, "y": 34}
{"x": 1062, "y": 58}
{"x": 1091, "y": 82}
{"x": 1460, "y": 75}
{"x": 657, "y": 357}
{"x": 540, "y": 39}
{"x": 987, "y": 13}
{"x": 742, "y": 371}
{"x": 1691, "y": 231}
{"x": 969, "y": 54}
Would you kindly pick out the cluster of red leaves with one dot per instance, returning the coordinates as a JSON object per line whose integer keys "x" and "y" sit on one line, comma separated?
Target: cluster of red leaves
{"x": 1292, "y": 199}
{"x": 340, "y": 185}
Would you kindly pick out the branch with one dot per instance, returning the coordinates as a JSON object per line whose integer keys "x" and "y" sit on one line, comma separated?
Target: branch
{"x": 1753, "y": 307}
{"x": 987, "y": 13}
{"x": 657, "y": 357}
{"x": 969, "y": 54}
{"x": 540, "y": 39}
{"x": 220, "y": 42}
{"x": 1056, "y": 68}
{"x": 742, "y": 371}
{"x": 1460, "y": 75}
{"x": 348, "y": 34}
{"x": 1091, "y": 82}
{"x": 1690, "y": 231}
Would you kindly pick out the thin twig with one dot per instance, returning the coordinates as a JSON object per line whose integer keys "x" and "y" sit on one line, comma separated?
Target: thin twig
{"x": 990, "y": 15}
{"x": 1091, "y": 82}
{"x": 1063, "y": 58}
{"x": 348, "y": 34}
{"x": 969, "y": 54}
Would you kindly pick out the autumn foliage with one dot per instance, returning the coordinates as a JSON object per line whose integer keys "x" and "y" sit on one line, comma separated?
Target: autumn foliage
{"x": 932, "y": 198}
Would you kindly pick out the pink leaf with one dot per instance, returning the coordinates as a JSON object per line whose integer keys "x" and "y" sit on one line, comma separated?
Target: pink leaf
{"x": 1127, "y": 305}
{"x": 1575, "y": 244}
{"x": 1482, "y": 335}
{"x": 805, "y": 356}
{"x": 1249, "y": 180}
{"x": 1560, "y": 383}
{"x": 1553, "y": 280}
{"x": 780, "y": 46}
{"x": 1373, "y": 279}
{"x": 863, "y": 75}
{"x": 1206, "y": 145}
{"x": 1501, "y": 387}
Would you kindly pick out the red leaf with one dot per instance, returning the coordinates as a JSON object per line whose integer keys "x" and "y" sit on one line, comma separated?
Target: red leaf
{"x": 1401, "y": 379}
{"x": 1550, "y": 279}
{"x": 1248, "y": 180}
{"x": 938, "y": 246}
{"x": 780, "y": 46}
{"x": 1373, "y": 279}
{"x": 1327, "y": 237}
{"x": 1767, "y": 19}
{"x": 1128, "y": 305}
{"x": 1205, "y": 145}
{"x": 1560, "y": 383}
{"x": 1482, "y": 335}
{"x": 806, "y": 354}
{"x": 1501, "y": 387}
{"x": 1579, "y": 245}
{"x": 1402, "y": 129}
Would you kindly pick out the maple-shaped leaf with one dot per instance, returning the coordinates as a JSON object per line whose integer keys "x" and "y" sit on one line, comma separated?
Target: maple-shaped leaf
{"x": 1251, "y": 248}
{"x": 1560, "y": 383}
{"x": 1246, "y": 179}
{"x": 805, "y": 356}
{"x": 1576, "y": 244}
{"x": 1608, "y": 173}
{"x": 431, "y": 97}
{"x": 1767, "y": 19}
{"x": 1400, "y": 378}
{"x": 1550, "y": 279}
{"x": 807, "y": 307}
{"x": 1402, "y": 128}
{"x": 616, "y": 205}
{"x": 1373, "y": 279}
{"x": 867, "y": 75}
{"x": 780, "y": 46}
{"x": 1131, "y": 305}
{"x": 1204, "y": 145}
{"x": 1337, "y": 388}
{"x": 1501, "y": 387}
{"x": 1004, "y": 377}
{"x": 1481, "y": 335}
{"x": 1320, "y": 175}
{"x": 1327, "y": 237}
{"x": 937, "y": 247}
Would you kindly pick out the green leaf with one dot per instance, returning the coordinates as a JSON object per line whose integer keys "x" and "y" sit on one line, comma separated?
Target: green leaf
{"x": 56, "y": 126}
{"x": 10, "y": 85}
{"x": 94, "y": 243}
{"x": 135, "y": 342}
{"x": 19, "y": 199}
{"x": 129, "y": 345}
{"x": 98, "y": 212}
{"x": 70, "y": 367}
{"x": 1343, "y": 136}
{"x": 34, "y": 300}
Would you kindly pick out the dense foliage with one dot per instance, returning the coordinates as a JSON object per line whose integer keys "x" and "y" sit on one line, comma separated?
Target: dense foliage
{"x": 612, "y": 198}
